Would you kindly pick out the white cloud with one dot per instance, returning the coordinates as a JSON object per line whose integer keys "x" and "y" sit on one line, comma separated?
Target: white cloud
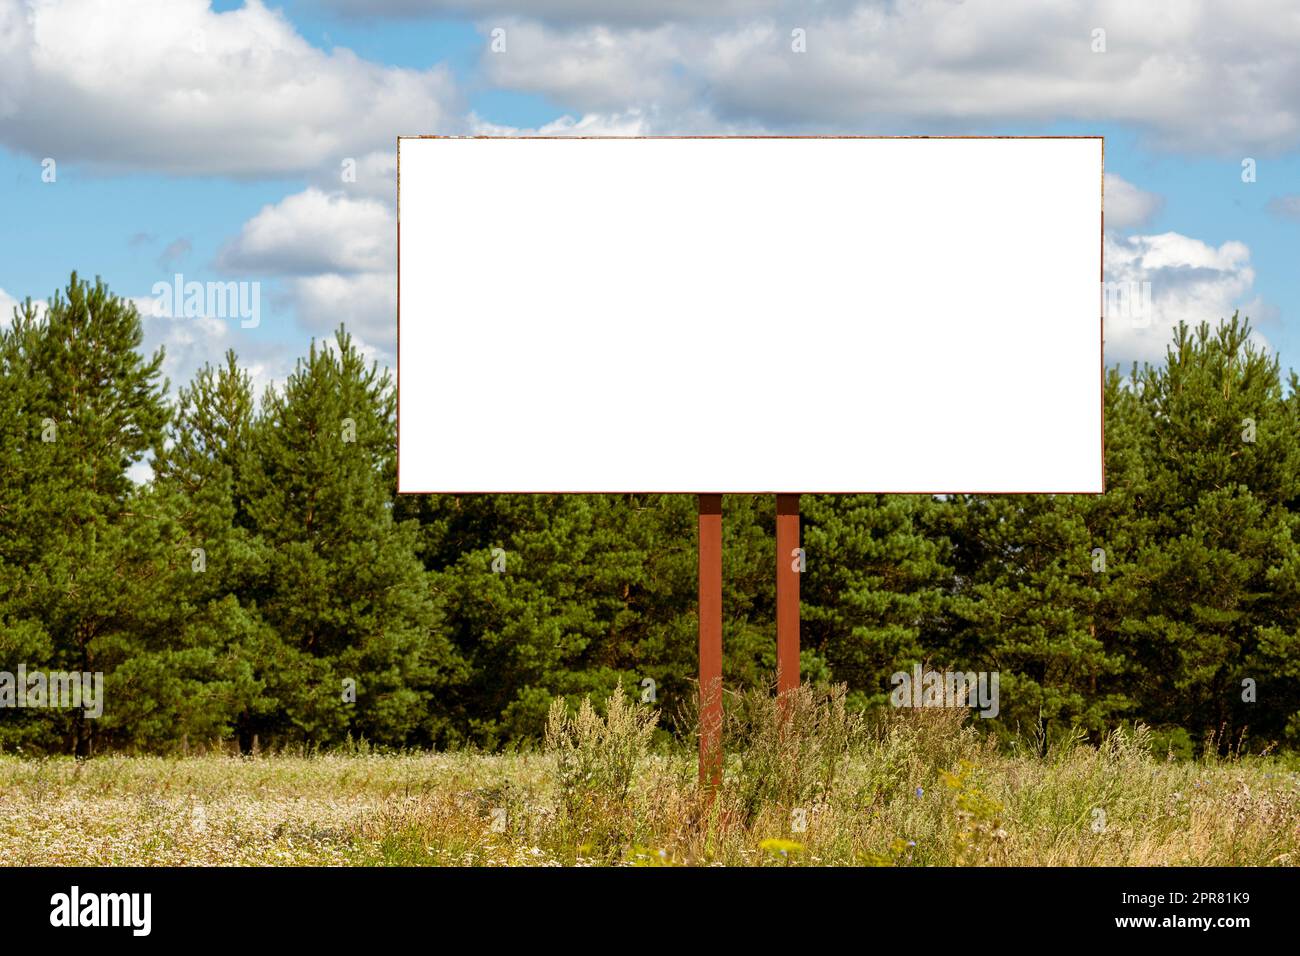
{"x": 1200, "y": 75}
{"x": 365, "y": 303}
{"x": 1127, "y": 206}
{"x": 1190, "y": 281}
{"x": 578, "y": 11}
{"x": 599, "y": 68}
{"x": 372, "y": 176}
{"x": 170, "y": 85}
{"x": 191, "y": 343}
{"x": 314, "y": 231}
{"x": 14, "y": 63}
{"x": 338, "y": 255}
{"x": 630, "y": 123}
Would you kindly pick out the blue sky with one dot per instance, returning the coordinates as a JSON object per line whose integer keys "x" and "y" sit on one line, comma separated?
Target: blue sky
{"x": 207, "y": 138}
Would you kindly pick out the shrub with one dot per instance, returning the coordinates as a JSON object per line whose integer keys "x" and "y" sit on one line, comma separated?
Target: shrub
{"x": 596, "y": 757}
{"x": 790, "y": 749}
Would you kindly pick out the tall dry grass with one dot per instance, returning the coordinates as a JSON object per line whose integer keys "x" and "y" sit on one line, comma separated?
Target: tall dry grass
{"x": 813, "y": 783}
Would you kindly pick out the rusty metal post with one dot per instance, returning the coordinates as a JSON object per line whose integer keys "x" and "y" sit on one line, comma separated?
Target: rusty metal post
{"x": 788, "y": 563}
{"x": 710, "y": 553}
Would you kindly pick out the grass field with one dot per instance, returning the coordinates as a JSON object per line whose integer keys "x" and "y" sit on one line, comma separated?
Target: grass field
{"x": 821, "y": 786}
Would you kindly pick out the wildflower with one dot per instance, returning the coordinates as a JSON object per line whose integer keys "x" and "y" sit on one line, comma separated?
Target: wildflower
{"x": 920, "y": 791}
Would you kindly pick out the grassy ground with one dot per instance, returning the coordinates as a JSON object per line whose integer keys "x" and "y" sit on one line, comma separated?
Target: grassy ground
{"x": 819, "y": 787}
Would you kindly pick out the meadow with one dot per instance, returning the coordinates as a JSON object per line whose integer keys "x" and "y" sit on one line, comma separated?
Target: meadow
{"x": 816, "y": 784}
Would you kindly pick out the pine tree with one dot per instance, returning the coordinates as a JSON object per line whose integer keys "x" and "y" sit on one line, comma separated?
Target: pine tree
{"x": 196, "y": 675}
{"x": 1220, "y": 582}
{"x": 85, "y": 551}
{"x": 340, "y": 584}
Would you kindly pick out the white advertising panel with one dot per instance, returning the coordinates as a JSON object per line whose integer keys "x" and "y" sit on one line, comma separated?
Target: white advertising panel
{"x": 750, "y": 315}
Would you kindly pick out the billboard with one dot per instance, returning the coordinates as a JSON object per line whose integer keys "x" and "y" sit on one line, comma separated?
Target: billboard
{"x": 750, "y": 314}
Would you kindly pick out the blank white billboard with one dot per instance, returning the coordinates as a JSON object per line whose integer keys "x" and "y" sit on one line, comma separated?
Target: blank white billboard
{"x": 750, "y": 314}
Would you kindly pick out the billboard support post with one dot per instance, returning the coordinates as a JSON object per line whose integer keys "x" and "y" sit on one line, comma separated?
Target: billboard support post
{"x": 710, "y": 618}
{"x": 789, "y": 564}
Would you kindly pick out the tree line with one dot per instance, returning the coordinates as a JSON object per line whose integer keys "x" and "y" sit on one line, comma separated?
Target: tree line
{"x": 268, "y": 584}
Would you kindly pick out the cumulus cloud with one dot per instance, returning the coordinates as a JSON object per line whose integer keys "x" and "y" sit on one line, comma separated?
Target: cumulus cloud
{"x": 190, "y": 343}
{"x": 630, "y": 123}
{"x": 372, "y": 176}
{"x": 1189, "y": 281}
{"x": 366, "y": 304}
{"x": 337, "y": 254}
{"x": 599, "y": 68}
{"x": 172, "y": 86}
{"x": 1199, "y": 75}
{"x": 1127, "y": 206}
{"x": 314, "y": 231}
{"x": 14, "y": 61}
{"x": 579, "y": 11}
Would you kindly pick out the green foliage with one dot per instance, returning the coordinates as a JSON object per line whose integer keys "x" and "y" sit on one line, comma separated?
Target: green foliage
{"x": 85, "y": 554}
{"x": 337, "y": 579}
{"x": 1218, "y": 597}
{"x": 268, "y": 585}
{"x": 874, "y": 593}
